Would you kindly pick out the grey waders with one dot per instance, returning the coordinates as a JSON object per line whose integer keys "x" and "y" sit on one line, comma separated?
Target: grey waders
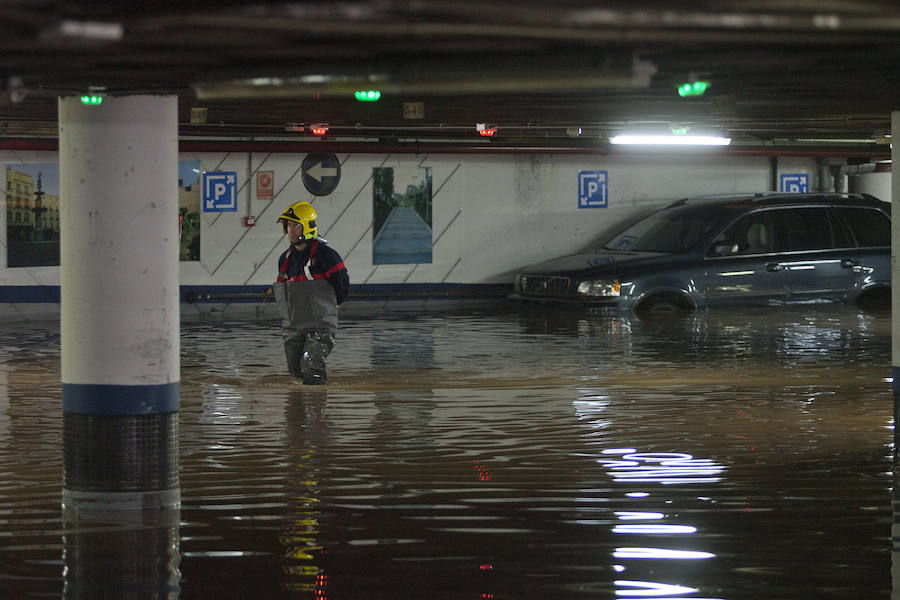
{"x": 308, "y": 325}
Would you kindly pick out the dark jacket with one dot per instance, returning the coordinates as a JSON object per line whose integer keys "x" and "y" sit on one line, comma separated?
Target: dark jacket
{"x": 324, "y": 263}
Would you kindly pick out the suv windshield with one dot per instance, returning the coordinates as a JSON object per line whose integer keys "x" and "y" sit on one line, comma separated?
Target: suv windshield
{"x": 668, "y": 231}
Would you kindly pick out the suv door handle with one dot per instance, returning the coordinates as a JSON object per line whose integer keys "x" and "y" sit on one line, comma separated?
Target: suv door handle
{"x": 774, "y": 267}
{"x": 854, "y": 266}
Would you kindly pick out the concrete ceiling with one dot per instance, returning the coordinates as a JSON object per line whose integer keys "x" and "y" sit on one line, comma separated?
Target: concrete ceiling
{"x": 781, "y": 73}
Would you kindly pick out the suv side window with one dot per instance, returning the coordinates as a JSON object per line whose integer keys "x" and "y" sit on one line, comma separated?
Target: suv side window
{"x": 751, "y": 234}
{"x": 808, "y": 229}
{"x": 871, "y": 227}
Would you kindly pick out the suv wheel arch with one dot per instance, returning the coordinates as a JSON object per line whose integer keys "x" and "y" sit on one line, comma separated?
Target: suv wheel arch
{"x": 664, "y": 302}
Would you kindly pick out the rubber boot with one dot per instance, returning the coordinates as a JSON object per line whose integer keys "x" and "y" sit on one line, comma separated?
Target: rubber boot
{"x": 293, "y": 351}
{"x": 312, "y": 363}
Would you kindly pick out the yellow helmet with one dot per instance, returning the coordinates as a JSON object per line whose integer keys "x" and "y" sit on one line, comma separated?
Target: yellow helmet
{"x": 303, "y": 213}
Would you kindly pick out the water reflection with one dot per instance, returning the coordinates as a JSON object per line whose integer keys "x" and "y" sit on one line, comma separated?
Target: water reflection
{"x": 649, "y": 589}
{"x": 661, "y": 553}
{"x": 306, "y": 431}
{"x": 808, "y": 335}
{"x": 592, "y": 457}
{"x": 895, "y": 492}
{"x": 654, "y": 529}
{"x": 123, "y": 554}
{"x": 628, "y": 466}
{"x": 4, "y": 402}
{"x": 667, "y": 469}
{"x": 398, "y": 347}
{"x": 663, "y": 467}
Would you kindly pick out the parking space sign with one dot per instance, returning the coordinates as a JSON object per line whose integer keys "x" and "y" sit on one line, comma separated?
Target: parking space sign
{"x": 795, "y": 182}
{"x": 592, "y": 189}
{"x": 220, "y": 191}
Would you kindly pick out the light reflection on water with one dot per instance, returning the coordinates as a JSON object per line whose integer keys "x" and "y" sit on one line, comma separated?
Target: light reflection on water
{"x": 720, "y": 456}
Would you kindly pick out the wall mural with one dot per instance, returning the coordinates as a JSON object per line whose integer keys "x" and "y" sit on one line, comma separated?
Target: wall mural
{"x": 32, "y": 213}
{"x": 189, "y": 206}
{"x": 401, "y": 201}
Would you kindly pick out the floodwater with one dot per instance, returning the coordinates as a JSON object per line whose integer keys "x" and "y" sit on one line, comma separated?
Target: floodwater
{"x": 726, "y": 455}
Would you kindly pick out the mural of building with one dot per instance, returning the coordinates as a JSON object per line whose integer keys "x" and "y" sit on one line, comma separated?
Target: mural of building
{"x": 46, "y": 214}
{"x": 48, "y": 222}
{"x": 20, "y": 208}
{"x": 32, "y": 215}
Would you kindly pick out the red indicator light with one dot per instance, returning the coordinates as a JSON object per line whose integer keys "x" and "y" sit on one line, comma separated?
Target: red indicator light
{"x": 320, "y": 592}
{"x": 319, "y": 130}
{"x": 483, "y": 473}
{"x": 488, "y": 132}
{"x": 486, "y": 567}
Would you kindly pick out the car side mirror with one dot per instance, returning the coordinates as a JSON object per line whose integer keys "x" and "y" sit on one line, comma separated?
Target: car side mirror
{"x": 724, "y": 248}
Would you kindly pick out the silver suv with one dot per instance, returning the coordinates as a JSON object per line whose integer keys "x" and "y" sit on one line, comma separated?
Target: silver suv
{"x": 751, "y": 249}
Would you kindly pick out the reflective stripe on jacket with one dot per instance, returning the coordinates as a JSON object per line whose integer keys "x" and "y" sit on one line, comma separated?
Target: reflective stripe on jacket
{"x": 324, "y": 263}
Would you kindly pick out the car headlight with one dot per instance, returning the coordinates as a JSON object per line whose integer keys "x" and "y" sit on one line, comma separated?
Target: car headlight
{"x": 599, "y": 287}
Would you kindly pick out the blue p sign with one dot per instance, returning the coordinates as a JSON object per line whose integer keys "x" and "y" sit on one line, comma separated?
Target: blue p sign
{"x": 795, "y": 182}
{"x": 592, "y": 189}
{"x": 220, "y": 191}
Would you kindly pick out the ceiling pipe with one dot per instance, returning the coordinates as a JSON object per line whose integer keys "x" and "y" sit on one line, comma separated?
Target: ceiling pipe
{"x": 448, "y": 76}
{"x": 269, "y": 88}
{"x": 842, "y": 172}
{"x": 825, "y": 181}
{"x": 302, "y": 147}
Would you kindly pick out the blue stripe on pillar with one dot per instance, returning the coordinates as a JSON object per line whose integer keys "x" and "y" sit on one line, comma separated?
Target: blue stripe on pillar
{"x": 89, "y": 399}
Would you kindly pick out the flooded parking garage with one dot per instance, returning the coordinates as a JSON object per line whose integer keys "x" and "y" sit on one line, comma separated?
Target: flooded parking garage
{"x": 726, "y": 455}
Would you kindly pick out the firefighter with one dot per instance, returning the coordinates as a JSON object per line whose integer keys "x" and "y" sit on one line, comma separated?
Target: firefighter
{"x": 312, "y": 282}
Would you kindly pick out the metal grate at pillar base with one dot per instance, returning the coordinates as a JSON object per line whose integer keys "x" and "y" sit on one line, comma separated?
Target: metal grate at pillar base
{"x": 120, "y": 454}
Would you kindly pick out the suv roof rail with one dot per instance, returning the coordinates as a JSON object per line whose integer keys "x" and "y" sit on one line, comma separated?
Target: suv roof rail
{"x": 679, "y": 202}
{"x": 762, "y": 196}
{"x": 683, "y": 201}
{"x": 829, "y": 195}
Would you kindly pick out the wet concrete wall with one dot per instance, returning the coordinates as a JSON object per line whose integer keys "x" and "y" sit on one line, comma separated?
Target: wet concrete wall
{"x": 490, "y": 214}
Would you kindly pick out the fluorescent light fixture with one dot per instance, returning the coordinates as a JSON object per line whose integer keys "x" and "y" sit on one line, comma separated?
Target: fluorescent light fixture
{"x": 670, "y": 140}
{"x": 92, "y": 30}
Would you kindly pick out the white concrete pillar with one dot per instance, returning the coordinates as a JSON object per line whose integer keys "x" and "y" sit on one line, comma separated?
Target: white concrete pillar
{"x": 120, "y": 302}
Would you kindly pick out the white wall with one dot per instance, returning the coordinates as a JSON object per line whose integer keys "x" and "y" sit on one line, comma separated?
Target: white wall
{"x": 877, "y": 184}
{"x": 492, "y": 213}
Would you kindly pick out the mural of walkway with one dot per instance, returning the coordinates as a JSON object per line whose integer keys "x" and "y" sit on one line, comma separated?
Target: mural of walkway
{"x": 404, "y": 239}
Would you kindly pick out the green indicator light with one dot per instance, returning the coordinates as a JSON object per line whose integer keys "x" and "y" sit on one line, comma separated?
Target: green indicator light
{"x": 91, "y": 100}
{"x": 367, "y": 95}
{"x": 698, "y": 88}
{"x": 680, "y": 130}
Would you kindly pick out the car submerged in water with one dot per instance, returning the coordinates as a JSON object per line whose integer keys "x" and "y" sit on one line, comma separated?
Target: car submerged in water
{"x": 750, "y": 249}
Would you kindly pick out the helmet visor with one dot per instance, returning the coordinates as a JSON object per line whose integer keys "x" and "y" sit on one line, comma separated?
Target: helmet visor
{"x": 285, "y": 223}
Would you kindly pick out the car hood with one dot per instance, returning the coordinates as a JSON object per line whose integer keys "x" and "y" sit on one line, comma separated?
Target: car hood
{"x": 596, "y": 262}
